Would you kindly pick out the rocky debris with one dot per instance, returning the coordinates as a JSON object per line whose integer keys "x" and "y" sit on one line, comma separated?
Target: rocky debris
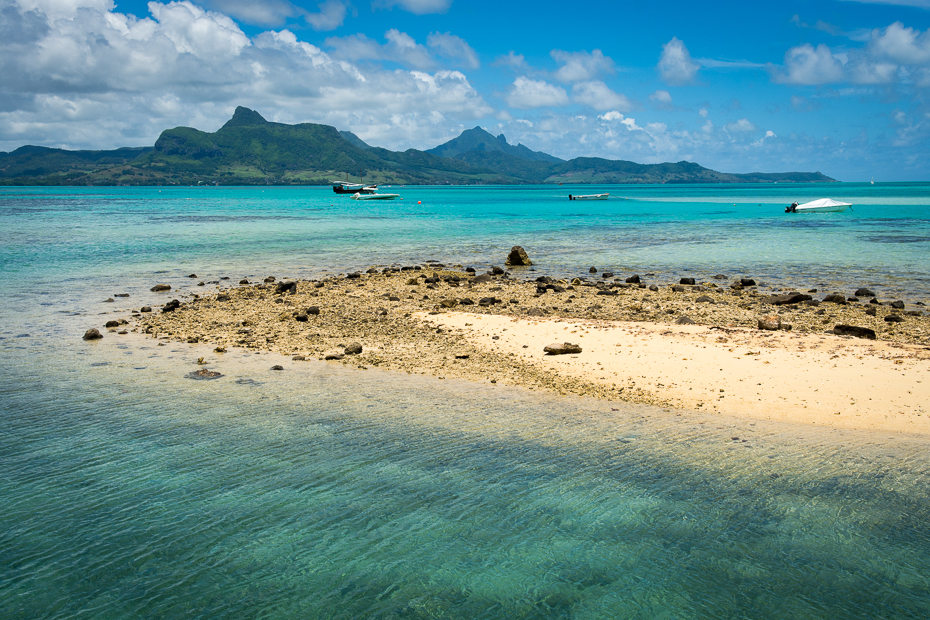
{"x": 747, "y": 282}
{"x": 704, "y": 299}
{"x": 112, "y": 324}
{"x": 607, "y": 274}
{"x": 145, "y": 309}
{"x": 109, "y": 300}
{"x": 518, "y": 257}
{"x": 897, "y": 305}
{"x": 93, "y": 334}
{"x": 171, "y": 306}
{"x": 633, "y": 279}
{"x": 353, "y": 348}
{"x": 852, "y": 330}
{"x": 564, "y": 348}
{"x": 204, "y": 374}
{"x": 871, "y": 311}
{"x": 592, "y": 270}
{"x": 771, "y": 322}
{"x": 687, "y": 281}
{"x": 448, "y": 303}
{"x": 894, "y": 318}
{"x": 244, "y": 281}
{"x": 787, "y": 299}
{"x": 488, "y": 301}
{"x": 285, "y": 288}
{"x": 685, "y": 320}
{"x": 160, "y": 287}
{"x": 835, "y": 298}
{"x": 313, "y": 310}
{"x": 864, "y": 292}
{"x": 277, "y": 367}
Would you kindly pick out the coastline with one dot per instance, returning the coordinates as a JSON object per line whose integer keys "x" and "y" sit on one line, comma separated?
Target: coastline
{"x": 444, "y": 322}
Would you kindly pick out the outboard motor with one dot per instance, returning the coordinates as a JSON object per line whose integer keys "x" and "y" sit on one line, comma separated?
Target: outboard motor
{"x": 570, "y": 197}
{"x": 793, "y": 208}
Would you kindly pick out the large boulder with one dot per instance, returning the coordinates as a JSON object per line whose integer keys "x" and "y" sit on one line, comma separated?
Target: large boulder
{"x": 518, "y": 257}
{"x": 93, "y": 334}
{"x": 853, "y": 330}
{"x": 563, "y": 348}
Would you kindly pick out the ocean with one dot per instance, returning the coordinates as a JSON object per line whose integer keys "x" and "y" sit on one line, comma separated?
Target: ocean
{"x": 130, "y": 490}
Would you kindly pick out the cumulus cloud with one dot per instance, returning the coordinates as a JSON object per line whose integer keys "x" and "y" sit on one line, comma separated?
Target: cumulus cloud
{"x": 399, "y": 47}
{"x": 901, "y": 45}
{"x": 257, "y": 12}
{"x": 581, "y": 66}
{"x": 453, "y": 47}
{"x": 809, "y": 65}
{"x": 514, "y": 62}
{"x": 526, "y": 93}
{"x": 600, "y": 97}
{"x": 330, "y": 16}
{"x": 741, "y": 126}
{"x": 417, "y": 7}
{"x": 85, "y": 79}
{"x": 661, "y": 100}
{"x": 675, "y": 64}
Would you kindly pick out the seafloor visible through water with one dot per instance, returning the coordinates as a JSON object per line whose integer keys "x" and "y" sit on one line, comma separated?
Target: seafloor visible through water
{"x": 129, "y": 490}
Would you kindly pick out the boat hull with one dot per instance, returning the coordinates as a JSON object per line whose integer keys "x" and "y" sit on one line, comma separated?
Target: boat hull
{"x": 362, "y": 196}
{"x": 589, "y": 197}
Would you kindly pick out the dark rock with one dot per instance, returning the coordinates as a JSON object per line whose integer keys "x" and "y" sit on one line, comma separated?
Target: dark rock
{"x": 393, "y": 298}
{"x": 564, "y": 348}
{"x": 303, "y": 318}
{"x": 704, "y": 299}
{"x": 852, "y": 300}
{"x": 469, "y": 270}
{"x": 222, "y": 297}
{"x": 606, "y": 292}
{"x": 244, "y": 281}
{"x": 852, "y": 330}
{"x": 353, "y": 348}
{"x": 112, "y": 324}
{"x": 298, "y": 358}
{"x": 771, "y": 322}
{"x": 171, "y": 306}
{"x": 448, "y": 303}
{"x": 517, "y": 257}
{"x": 160, "y": 287}
{"x": 684, "y": 320}
{"x": 93, "y": 334}
{"x": 269, "y": 279}
{"x": 592, "y": 270}
{"x": 204, "y": 374}
{"x": 109, "y": 300}
{"x": 607, "y": 274}
{"x": 653, "y": 288}
{"x": 634, "y": 279}
{"x": 482, "y": 278}
{"x": 786, "y": 299}
{"x": 193, "y": 275}
{"x": 356, "y": 275}
{"x": 313, "y": 310}
{"x": 747, "y": 282}
{"x": 720, "y": 276}
{"x": 535, "y": 312}
{"x": 555, "y": 288}
{"x": 914, "y": 313}
{"x": 835, "y": 298}
{"x": 318, "y": 285}
{"x": 277, "y": 367}
{"x": 333, "y": 355}
{"x": 121, "y": 295}
{"x": 875, "y": 301}
{"x": 864, "y": 292}
{"x": 811, "y": 302}
{"x": 686, "y": 281}
{"x": 894, "y": 318}
{"x": 201, "y": 284}
{"x": 678, "y": 288}
{"x": 145, "y": 309}
{"x": 285, "y": 288}
{"x": 496, "y": 271}
{"x": 897, "y": 305}
{"x": 488, "y": 301}
{"x": 871, "y": 311}
{"x": 465, "y": 301}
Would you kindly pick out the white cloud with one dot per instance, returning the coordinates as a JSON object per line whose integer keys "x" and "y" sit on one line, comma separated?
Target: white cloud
{"x": 581, "y": 66}
{"x": 526, "y": 93}
{"x": 417, "y": 7}
{"x": 807, "y": 65}
{"x": 454, "y": 47}
{"x": 262, "y": 13}
{"x": 708, "y": 127}
{"x": 901, "y": 45}
{"x": 921, "y": 4}
{"x": 741, "y": 126}
{"x": 675, "y": 64}
{"x": 613, "y": 115}
{"x": 515, "y": 62}
{"x": 400, "y": 47}
{"x": 703, "y": 112}
{"x": 768, "y": 134}
{"x": 195, "y": 31}
{"x": 330, "y": 16}
{"x": 598, "y": 96}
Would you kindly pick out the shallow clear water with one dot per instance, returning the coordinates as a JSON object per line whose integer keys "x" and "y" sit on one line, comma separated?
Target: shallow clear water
{"x": 320, "y": 491}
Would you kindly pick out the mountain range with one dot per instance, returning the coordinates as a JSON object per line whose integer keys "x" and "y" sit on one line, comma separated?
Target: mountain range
{"x": 249, "y": 150}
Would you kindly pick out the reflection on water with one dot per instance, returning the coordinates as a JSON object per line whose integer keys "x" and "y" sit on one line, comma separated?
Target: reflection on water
{"x": 326, "y": 492}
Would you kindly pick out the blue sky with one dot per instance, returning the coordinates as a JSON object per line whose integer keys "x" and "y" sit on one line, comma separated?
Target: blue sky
{"x": 839, "y": 87}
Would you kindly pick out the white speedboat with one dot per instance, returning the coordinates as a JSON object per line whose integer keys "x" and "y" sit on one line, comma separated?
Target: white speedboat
{"x": 589, "y": 197}
{"x": 824, "y": 205}
{"x": 361, "y": 196}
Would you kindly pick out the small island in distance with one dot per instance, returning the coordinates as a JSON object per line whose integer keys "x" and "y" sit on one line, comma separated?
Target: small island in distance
{"x": 249, "y": 150}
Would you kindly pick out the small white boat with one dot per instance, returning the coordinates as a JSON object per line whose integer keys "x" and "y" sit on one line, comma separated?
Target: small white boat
{"x": 824, "y": 205}
{"x": 589, "y": 197}
{"x": 361, "y": 196}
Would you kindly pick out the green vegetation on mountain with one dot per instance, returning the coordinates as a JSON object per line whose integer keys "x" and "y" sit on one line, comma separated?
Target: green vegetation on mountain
{"x": 249, "y": 150}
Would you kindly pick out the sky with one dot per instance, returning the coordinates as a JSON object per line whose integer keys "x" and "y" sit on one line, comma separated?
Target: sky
{"x": 836, "y": 86}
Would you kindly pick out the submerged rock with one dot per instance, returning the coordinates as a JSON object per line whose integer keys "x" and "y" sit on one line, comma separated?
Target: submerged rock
{"x": 204, "y": 374}
{"x": 160, "y": 287}
{"x": 93, "y": 334}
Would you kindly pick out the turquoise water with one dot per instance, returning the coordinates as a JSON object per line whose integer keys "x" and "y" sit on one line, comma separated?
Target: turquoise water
{"x": 325, "y": 492}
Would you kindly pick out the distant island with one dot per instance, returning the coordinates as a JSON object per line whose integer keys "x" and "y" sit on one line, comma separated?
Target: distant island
{"x": 249, "y": 150}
